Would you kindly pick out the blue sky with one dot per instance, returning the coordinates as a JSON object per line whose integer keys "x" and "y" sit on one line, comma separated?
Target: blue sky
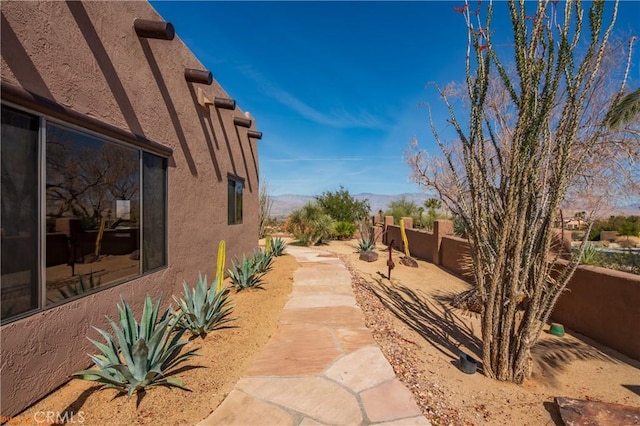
{"x": 338, "y": 88}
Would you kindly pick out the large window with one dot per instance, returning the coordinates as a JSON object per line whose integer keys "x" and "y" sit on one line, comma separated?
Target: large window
{"x": 102, "y": 210}
{"x": 234, "y": 200}
{"x": 19, "y": 221}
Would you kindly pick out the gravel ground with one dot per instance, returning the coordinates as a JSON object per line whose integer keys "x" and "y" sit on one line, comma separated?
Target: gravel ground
{"x": 403, "y": 355}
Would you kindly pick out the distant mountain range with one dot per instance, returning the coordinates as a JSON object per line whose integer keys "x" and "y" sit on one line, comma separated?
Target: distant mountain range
{"x": 285, "y": 204}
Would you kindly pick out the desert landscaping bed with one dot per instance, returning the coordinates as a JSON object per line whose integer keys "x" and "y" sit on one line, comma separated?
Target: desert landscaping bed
{"x": 418, "y": 332}
{"x": 422, "y": 336}
{"x": 224, "y": 355}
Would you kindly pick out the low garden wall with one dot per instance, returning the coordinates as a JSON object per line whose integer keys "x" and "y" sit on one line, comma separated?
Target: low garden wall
{"x": 599, "y": 303}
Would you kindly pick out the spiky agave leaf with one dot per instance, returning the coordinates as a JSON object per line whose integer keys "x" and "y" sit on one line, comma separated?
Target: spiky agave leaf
{"x": 243, "y": 274}
{"x": 141, "y": 354}
{"x": 203, "y": 308}
{"x": 277, "y": 246}
{"x": 261, "y": 260}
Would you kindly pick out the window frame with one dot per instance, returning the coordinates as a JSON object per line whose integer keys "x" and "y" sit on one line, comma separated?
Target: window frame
{"x": 43, "y": 119}
{"x": 236, "y": 179}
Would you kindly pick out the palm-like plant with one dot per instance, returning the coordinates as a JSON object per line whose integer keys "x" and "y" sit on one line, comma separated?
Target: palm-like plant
{"x": 310, "y": 224}
{"x": 142, "y": 354}
{"x": 204, "y": 309}
{"x": 626, "y": 110}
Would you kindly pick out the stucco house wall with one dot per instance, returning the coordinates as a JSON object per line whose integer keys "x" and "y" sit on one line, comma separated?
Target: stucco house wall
{"x": 87, "y": 58}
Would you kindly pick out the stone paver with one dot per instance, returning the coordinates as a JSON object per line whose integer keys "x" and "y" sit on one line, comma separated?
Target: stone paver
{"x": 321, "y": 366}
{"x": 388, "y": 402}
{"x": 363, "y": 369}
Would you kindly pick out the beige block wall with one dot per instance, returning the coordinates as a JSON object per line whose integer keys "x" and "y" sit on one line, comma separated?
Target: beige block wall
{"x": 87, "y": 57}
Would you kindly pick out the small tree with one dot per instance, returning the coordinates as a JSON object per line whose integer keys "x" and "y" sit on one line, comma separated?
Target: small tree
{"x": 432, "y": 204}
{"x": 629, "y": 229}
{"x": 529, "y": 135}
{"x": 402, "y": 208}
{"x": 342, "y": 206}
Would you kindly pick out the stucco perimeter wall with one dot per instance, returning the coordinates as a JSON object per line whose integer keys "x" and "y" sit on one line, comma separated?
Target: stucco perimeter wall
{"x": 420, "y": 242}
{"x": 455, "y": 255}
{"x": 87, "y": 57}
{"x": 599, "y": 303}
{"x": 604, "y": 305}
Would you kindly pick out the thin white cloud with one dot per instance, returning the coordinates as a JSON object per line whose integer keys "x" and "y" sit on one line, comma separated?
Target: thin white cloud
{"x": 339, "y": 118}
{"x": 295, "y": 160}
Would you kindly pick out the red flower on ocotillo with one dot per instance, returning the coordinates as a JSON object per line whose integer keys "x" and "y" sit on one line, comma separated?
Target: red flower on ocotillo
{"x": 461, "y": 9}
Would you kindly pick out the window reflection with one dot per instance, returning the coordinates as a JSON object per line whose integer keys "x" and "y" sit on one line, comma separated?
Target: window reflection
{"x": 19, "y": 232}
{"x": 234, "y": 200}
{"x": 93, "y": 213}
{"x": 154, "y": 232}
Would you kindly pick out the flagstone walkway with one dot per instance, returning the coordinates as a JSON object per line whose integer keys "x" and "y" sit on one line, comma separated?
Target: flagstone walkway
{"x": 321, "y": 366}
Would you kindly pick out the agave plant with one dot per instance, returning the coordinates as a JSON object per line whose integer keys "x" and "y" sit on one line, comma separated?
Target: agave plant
{"x": 262, "y": 261}
{"x": 79, "y": 287}
{"x": 365, "y": 245}
{"x": 204, "y": 309}
{"x": 277, "y": 246}
{"x": 141, "y": 354}
{"x": 244, "y": 275}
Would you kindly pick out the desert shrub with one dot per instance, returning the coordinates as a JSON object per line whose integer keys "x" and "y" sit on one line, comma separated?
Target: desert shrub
{"x": 404, "y": 208}
{"x": 142, "y": 354}
{"x": 342, "y": 207}
{"x": 344, "y": 230}
{"x": 626, "y": 261}
{"x": 625, "y": 225}
{"x": 310, "y": 225}
{"x": 458, "y": 227}
{"x": 203, "y": 308}
{"x": 244, "y": 275}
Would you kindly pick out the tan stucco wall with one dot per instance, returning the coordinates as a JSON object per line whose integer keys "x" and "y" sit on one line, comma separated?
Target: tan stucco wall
{"x": 599, "y": 303}
{"x": 87, "y": 57}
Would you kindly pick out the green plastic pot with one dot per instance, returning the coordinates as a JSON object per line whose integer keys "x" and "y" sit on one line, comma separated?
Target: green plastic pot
{"x": 557, "y": 329}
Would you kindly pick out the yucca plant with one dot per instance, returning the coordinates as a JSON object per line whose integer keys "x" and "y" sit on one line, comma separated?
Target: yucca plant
{"x": 262, "y": 261}
{"x": 204, "y": 308}
{"x": 141, "y": 354}
{"x": 244, "y": 275}
{"x": 591, "y": 256}
{"x": 277, "y": 246}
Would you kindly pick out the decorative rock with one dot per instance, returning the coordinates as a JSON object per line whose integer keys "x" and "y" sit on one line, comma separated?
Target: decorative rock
{"x": 409, "y": 261}
{"x": 582, "y": 412}
{"x": 369, "y": 256}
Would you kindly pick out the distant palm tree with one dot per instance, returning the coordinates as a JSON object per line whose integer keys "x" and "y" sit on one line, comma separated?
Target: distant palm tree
{"x": 626, "y": 110}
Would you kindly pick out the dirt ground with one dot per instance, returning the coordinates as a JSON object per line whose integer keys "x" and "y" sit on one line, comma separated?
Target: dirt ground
{"x": 225, "y": 354}
{"x": 415, "y": 329}
{"x": 422, "y": 338}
